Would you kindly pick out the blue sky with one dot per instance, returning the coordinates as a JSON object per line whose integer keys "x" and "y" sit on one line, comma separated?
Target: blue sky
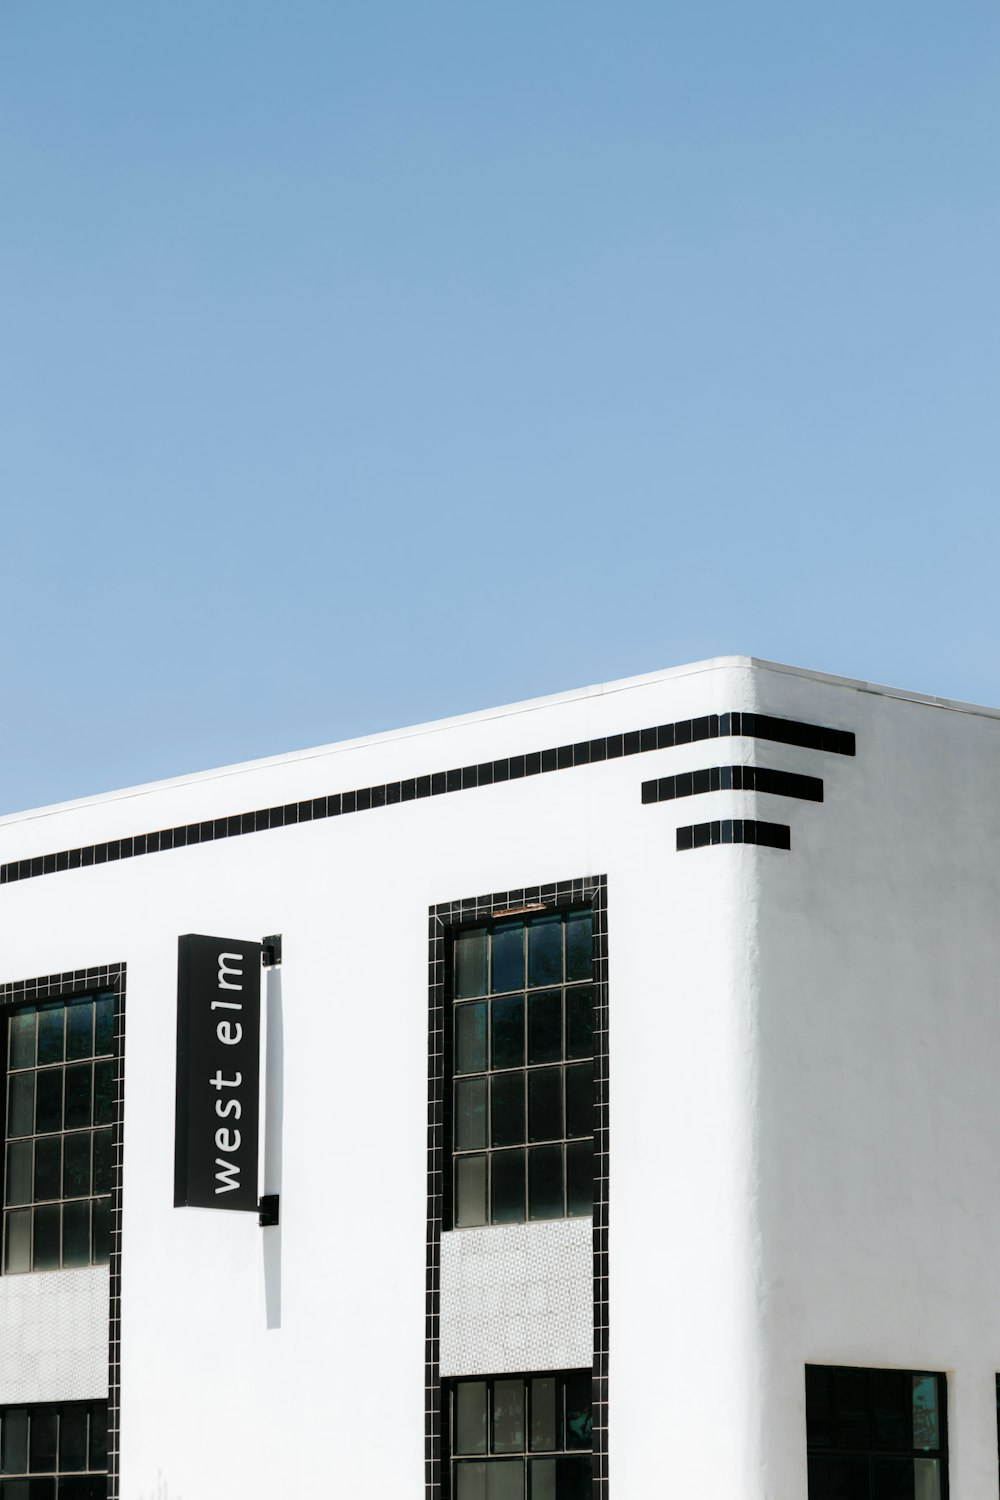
{"x": 368, "y": 363}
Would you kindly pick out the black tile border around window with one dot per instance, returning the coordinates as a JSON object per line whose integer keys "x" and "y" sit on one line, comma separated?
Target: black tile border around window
{"x": 441, "y": 920}
{"x": 61, "y": 986}
{"x": 458, "y": 779}
{"x": 734, "y": 831}
{"x": 733, "y": 779}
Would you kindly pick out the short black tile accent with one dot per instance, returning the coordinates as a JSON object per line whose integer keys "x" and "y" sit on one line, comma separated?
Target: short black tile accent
{"x": 735, "y": 831}
{"x": 438, "y": 783}
{"x": 735, "y": 779}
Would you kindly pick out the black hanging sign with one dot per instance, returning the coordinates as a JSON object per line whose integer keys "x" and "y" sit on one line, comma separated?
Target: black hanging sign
{"x": 218, "y": 1073}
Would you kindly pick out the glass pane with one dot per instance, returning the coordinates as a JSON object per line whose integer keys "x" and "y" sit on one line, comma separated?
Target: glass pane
{"x": 102, "y": 1160}
{"x": 507, "y": 1120}
{"x": 508, "y": 1187}
{"x": 470, "y": 1191}
{"x": 470, "y": 1481}
{"x": 851, "y": 1395}
{"x": 508, "y": 957}
{"x": 545, "y": 951}
{"x": 508, "y": 1032}
{"x": 48, "y": 1169}
{"x": 51, "y": 1021}
{"x": 892, "y": 1479}
{"x": 544, "y": 1415}
{"x": 46, "y": 1248}
{"x": 580, "y": 1099}
{"x": 890, "y": 1391}
{"x": 580, "y": 1022}
{"x": 21, "y": 1104}
{"x": 99, "y": 1436}
{"x": 19, "y": 1172}
{"x": 508, "y": 1416}
{"x": 103, "y": 1093}
{"x": 43, "y": 1489}
{"x": 819, "y": 1407}
{"x": 578, "y": 1396}
{"x": 470, "y": 1416}
{"x": 83, "y": 1487}
{"x": 101, "y": 1230}
{"x": 80, "y": 1029}
{"x": 73, "y": 1438}
{"x": 580, "y": 1178}
{"x": 470, "y": 962}
{"x": 545, "y": 1187}
{"x": 48, "y": 1103}
{"x": 15, "y": 1441}
{"x": 574, "y": 1478}
{"x": 22, "y": 1038}
{"x": 579, "y": 945}
{"x": 76, "y": 1233}
{"x": 470, "y": 1114}
{"x": 17, "y": 1241}
{"x": 545, "y": 1026}
{"x": 838, "y": 1477}
{"x": 505, "y": 1479}
{"x": 104, "y": 1025}
{"x": 542, "y": 1479}
{"x": 42, "y": 1441}
{"x": 470, "y": 1038}
{"x": 545, "y": 1104}
{"x": 17, "y": 1489}
{"x": 926, "y": 1432}
{"x": 78, "y": 1083}
{"x": 926, "y": 1479}
{"x": 76, "y": 1164}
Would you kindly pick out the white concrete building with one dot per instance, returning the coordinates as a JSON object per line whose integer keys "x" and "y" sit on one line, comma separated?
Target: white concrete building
{"x": 631, "y": 1053}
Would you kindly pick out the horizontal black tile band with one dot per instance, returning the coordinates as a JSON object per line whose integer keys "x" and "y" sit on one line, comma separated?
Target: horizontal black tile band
{"x": 458, "y": 779}
{"x": 733, "y": 779}
{"x": 735, "y": 831}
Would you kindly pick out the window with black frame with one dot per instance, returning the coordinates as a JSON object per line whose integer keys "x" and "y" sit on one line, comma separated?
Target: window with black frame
{"x": 54, "y": 1452}
{"x": 522, "y": 1437}
{"x": 59, "y": 1110}
{"x": 522, "y": 1064}
{"x": 876, "y": 1434}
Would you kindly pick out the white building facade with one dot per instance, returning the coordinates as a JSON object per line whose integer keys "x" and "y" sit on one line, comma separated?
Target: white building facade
{"x": 627, "y": 1089}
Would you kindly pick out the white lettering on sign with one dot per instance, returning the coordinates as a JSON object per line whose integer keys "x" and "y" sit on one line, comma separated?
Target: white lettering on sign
{"x": 229, "y": 966}
{"x": 228, "y": 1175}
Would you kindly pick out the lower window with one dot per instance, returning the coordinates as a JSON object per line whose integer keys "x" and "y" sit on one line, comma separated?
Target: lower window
{"x": 522, "y": 1437}
{"x": 876, "y": 1434}
{"x": 54, "y": 1452}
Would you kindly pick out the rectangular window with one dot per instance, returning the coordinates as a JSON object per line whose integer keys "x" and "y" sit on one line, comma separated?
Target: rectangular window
{"x": 522, "y": 1069}
{"x": 522, "y": 1437}
{"x": 876, "y": 1434}
{"x": 57, "y": 1152}
{"x": 54, "y": 1452}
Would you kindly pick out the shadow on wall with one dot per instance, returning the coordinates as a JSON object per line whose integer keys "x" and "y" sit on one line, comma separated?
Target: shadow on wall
{"x": 274, "y": 1105}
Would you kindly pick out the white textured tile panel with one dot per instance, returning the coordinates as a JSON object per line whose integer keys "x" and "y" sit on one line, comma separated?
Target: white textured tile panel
{"x": 517, "y": 1297}
{"x": 54, "y": 1336}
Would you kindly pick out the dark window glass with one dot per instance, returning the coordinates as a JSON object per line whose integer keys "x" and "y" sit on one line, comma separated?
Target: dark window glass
{"x": 99, "y": 1437}
{"x": 470, "y": 1114}
{"x": 580, "y": 1178}
{"x": 819, "y": 1406}
{"x": 508, "y": 1416}
{"x": 508, "y": 1032}
{"x": 103, "y": 1093}
{"x": 545, "y": 950}
{"x": 72, "y": 1438}
{"x": 42, "y": 1443}
{"x": 48, "y": 1100}
{"x": 891, "y": 1411}
{"x": 104, "y": 1025}
{"x": 508, "y": 1187}
{"x": 470, "y": 962}
{"x": 21, "y": 1104}
{"x": 926, "y": 1421}
{"x": 470, "y": 1038}
{"x": 15, "y": 1440}
{"x": 47, "y": 1447}
{"x": 101, "y": 1230}
{"x": 470, "y": 1417}
{"x": 17, "y": 1241}
{"x": 862, "y": 1431}
{"x": 507, "y": 1112}
{"x": 51, "y": 1024}
{"x": 19, "y": 1158}
{"x": 470, "y": 1191}
{"x": 508, "y": 957}
{"x": 78, "y": 1091}
{"x": 76, "y": 1164}
{"x": 545, "y": 1027}
{"x": 470, "y": 1480}
{"x": 580, "y": 1022}
{"x": 22, "y": 1038}
{"x": 546, "y": 1429}
{"x": 80, "y": 1029}
{"x": 48, "y": 1169}
{"x": 505, "y": 1419}
{"x": 578, "y": 1396}
{"x": 545, "y": 1115}
{"x": 45, "y": 1255}
{"x": 76, "y": 1233}
{"x": 580, "y": 1099}
{"x": 579, "y": 949}
{"x": 545, "y": 1182}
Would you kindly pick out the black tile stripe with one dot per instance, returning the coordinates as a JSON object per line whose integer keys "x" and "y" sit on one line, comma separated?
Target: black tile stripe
{"x": 438, "y": 783}
{"x": 443, "y": 919}
{"x": 735, "y": 831}
{"x": 735, "y": 779}
{"x": 60, "y": 986}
